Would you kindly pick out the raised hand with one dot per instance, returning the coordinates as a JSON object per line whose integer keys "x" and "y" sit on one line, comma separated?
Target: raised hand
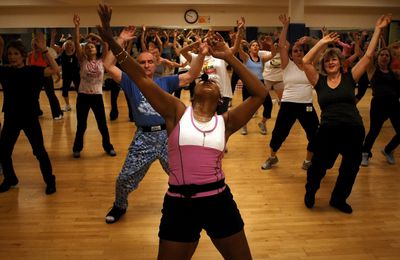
{"x": 105, "y": 31}
{"x": 303, "y": 40}
{"x": 128, "y": 33}
{"x": 240, "y": 26}
{"x": 285, "y": 20}
{"x": 330, "y": 38}
{"x": 324, "y": 31}
{"x": 203, "y": 48}
{"x": 383, "y": 21}
{"x": 217, "y": 46}
{"x": 77, "y": 20}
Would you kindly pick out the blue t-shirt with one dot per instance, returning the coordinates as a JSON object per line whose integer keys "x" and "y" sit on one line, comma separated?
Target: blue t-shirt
{"x": 143, "y": 113}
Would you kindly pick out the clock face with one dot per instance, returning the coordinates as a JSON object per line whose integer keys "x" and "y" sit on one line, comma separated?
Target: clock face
{"x": 191, "y": 16}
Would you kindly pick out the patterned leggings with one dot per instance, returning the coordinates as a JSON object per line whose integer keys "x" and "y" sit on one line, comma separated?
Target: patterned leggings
{"x": 145, "y": 148}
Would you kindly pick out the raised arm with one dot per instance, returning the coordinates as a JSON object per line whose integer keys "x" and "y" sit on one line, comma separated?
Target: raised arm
{"x": 126, "y": 35}
{"x": 269, "y": 42}
{"x": 244, "y": 56}
{"x": 40, "y": 42}
{"x": 239, "y": 35}
{"x": 283, "y": 46}
{"x": 167, "y": 105}
{"x": 143, "y": 39}
{"x": 78, "y": 48}
{"x": 240, "y": 115}
{"x": 308, "y": 60}
{"x": 195, "y": 66}
{"x": 362, "y": 65}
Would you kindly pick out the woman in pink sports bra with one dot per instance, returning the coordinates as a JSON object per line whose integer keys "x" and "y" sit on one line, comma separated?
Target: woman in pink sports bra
{"x": 198, "y": 197}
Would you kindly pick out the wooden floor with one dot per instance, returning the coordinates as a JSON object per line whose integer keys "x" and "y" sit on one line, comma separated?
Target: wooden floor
{"x": 70, "y": 224}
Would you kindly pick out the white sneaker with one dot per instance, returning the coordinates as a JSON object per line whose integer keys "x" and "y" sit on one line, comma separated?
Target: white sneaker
{"x": 59, "y": 117}
{"x": 263, "y": 128}
{"x": 365, "y": 159}
{"x": 269, "y": 162}
{"x": 389, "y": 157}
{"x": 67, "y": 108}
{"x": 244, "y": 130}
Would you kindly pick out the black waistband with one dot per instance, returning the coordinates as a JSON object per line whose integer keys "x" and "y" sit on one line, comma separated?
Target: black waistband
{"x": 153, "y": 128}
{"x": 192, "y": 189}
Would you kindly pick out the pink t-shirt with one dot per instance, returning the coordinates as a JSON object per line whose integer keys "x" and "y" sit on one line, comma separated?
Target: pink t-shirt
{"x": 92, "y": 73}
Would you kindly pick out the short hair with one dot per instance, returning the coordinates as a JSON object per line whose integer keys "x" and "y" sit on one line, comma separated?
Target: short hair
{"x": 331, "y": 53}
{"x": 17, "y": 44}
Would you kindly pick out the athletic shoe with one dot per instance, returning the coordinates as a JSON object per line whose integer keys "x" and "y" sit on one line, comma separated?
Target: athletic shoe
{"x": 51, "y": 186}
{"x": 114, "y": 215}
{"x": 76, "y": 154}
{"x": 7, "y": 184}
{"x": 59, "y": 117}
{"x": 342, "y": 206}
{"x": 263, "y": 128}
{"x": 244, "y": 130}
{"x": 269, "y": 162}
{"x": 111, "y": 152}
{"x": 365, "y": 159}
{"x": 389, "y": 157}
{"x": 306, "y": 165}
{"x": 67, "y": 108}
{"x": 309, "y": 200}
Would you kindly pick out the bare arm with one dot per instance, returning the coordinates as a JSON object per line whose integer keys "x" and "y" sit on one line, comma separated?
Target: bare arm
{"x": 242, "y": 54}
{"x": 167, "y": 105}
{"x": 268, "y": 41}
{"x": 159, "y": 42}
{"x": 362, "y": 65}
{"x": 239, "y": 35}
{"x": 126, "y": 35}
{"x": 40, "y": 42}
{"x": 185, "y": 51}
{"x": 78, "y": 49}
{"x": 195, "y": 67}
{"x": 143, "y": 39}
{"x": 283, "y": 47}
{"x": 308, "y": 60}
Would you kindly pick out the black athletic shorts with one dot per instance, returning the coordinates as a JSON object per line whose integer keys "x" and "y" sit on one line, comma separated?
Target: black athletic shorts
{"x": 183, "y": 218}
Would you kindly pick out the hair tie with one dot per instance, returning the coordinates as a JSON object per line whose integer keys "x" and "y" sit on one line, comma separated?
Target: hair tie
{"x": 204, "y": 77}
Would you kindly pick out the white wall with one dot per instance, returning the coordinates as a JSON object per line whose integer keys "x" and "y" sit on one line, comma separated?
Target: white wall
{"x": 172, "y": 16}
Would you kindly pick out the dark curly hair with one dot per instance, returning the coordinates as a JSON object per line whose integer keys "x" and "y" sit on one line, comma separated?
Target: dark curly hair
{"x": 17, "y": 44}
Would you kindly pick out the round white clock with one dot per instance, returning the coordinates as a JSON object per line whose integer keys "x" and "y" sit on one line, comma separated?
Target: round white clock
{"x": 191, "y": 16}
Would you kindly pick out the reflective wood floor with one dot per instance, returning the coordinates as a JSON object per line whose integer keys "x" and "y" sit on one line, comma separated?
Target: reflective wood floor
{"x": 70, "y": 224}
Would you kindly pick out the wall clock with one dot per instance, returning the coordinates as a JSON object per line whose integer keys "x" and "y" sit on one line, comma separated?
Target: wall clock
{"x": 191, "y": 16}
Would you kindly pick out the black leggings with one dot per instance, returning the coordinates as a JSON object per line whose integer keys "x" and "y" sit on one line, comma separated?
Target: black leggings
{"x": 382, "y": 109}
{"x": 287, "y": 115}
{"x": 84, "y": 103}
{"x": 9, "y": 135}
{"x": 330, "y": 141}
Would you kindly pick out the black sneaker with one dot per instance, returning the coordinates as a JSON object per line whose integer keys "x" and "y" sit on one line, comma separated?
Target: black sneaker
{"x": 309, "y": 200}
{"x": 111, "y": 152}
{"x": 76, "y": 154}
{"x": 342, "y": 206}
{"x": 7, "y": 184}
{"x": 51, "y": 186}
{"x": 114, "y": 215}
